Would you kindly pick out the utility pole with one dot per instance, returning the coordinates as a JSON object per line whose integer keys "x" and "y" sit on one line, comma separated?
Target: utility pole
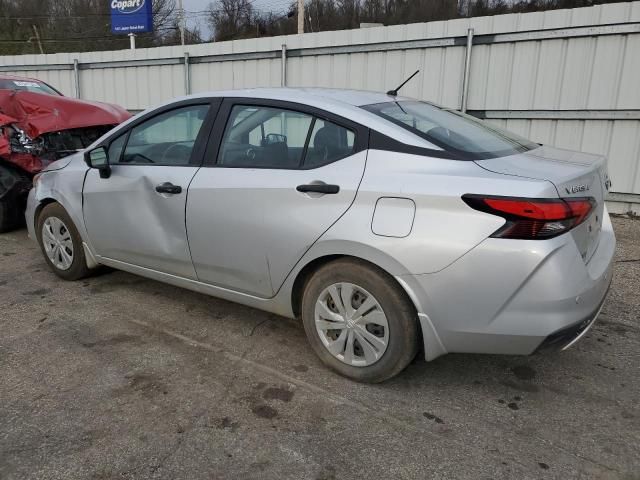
{"x": 35, "y": 31}
{"x": 182, "y": 22}
{"x": 132, "y": 41}
{"x": 300, "y": 16}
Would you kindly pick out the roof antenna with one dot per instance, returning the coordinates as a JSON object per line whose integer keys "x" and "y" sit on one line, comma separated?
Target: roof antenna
{"x": 394, "y": 93}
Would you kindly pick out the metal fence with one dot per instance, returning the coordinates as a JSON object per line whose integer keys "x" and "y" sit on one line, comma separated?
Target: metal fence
{"x": 569, "y": 78}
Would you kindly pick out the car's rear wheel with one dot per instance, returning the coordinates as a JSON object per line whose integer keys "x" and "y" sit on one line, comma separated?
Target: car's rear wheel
{"x": 61, "y": 243}
{"x": 359, "y": 321}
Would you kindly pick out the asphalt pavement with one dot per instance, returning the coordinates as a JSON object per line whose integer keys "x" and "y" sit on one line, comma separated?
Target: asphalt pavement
{"x": 119, "y": 377}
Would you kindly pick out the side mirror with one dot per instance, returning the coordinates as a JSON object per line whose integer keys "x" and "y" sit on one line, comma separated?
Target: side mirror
{"x": 98, "y": 159}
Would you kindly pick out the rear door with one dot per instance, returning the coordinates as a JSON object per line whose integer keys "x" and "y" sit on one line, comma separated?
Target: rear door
{"x": 278, "y": 177}
{"x": 137, "y": 215}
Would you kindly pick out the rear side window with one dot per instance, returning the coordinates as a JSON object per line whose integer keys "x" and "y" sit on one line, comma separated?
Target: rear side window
{"x": 452, "y": 131}
{"x": 328, "y": 142}
{"x": 268, "y": 137}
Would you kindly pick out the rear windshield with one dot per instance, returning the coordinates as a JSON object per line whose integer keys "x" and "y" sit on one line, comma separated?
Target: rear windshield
{"x": 28, "y": 85}
{"x": 451, "y": 130}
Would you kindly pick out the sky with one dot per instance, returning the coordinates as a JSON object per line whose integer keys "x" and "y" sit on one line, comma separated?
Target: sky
{"x": 195, "y": 11}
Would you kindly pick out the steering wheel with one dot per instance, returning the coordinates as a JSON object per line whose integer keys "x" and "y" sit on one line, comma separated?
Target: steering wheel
{"x": 186, "y": 150}
{"x": 139, "y": 158}
{"x": 250, "y": 154}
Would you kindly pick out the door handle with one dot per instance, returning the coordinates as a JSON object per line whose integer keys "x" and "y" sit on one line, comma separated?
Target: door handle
{"x": 168, "y": 187}
{"x": 318, "y": 188}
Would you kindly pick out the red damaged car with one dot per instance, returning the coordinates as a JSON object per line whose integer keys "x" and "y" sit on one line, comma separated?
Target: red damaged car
{"x": 38, "y": 125}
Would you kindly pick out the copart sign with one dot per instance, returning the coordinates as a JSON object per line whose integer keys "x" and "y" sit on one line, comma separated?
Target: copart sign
{"x": 131, "y": 16}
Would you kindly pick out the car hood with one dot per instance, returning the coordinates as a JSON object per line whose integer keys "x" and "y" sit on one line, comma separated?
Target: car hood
{"x": 38, "y": 113}
{"x": 63, "y": 162}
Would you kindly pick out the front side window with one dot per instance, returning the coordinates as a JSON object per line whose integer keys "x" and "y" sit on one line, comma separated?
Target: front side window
{"x": 268, "y": 137}
{"x": 115, "y": 148}
{"x": 166, "y": 139}
{"x": 452, "y": 131}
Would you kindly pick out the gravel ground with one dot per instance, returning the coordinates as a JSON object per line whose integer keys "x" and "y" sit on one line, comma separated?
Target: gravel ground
{"x": 122, "y": 377}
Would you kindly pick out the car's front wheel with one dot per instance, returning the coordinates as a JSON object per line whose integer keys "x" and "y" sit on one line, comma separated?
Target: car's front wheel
{"x": 14, "y": 186}
{"x": 8, "y": 215}
{"x": 61, "y": 243}
{"x": 359, "y": 321}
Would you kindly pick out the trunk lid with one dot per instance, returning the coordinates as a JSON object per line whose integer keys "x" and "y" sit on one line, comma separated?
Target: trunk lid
{"x": 574, "y": 175}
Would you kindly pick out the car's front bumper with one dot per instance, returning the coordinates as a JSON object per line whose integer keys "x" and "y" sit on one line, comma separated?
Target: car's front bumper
{"x": 30, "y": 214}
{"x": 510, "y": 296}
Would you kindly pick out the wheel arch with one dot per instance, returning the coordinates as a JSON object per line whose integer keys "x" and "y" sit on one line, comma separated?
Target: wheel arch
{"x": 425, "y": 344}
{"x": 41, "y": 204}
{"x": 303, "y": 277}
{"x": 431, "y": 346}
{"x": 331, "y": 251}
{"x": 66, "y": 191}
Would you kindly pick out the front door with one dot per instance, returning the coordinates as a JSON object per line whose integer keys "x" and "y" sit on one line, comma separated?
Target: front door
{"x": 137, "y": 215}
{"x": 281, "y": 177}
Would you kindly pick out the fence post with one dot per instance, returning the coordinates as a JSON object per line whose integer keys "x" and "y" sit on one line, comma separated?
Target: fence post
{"x": 467, "y": 67}
{"x": 187, "y": 74}
{"x": 283, "y": 60}
{"x": 76, "y": 77}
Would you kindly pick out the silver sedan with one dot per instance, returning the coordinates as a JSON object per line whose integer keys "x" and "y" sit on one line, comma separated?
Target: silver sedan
{"x": 388, "y": 225}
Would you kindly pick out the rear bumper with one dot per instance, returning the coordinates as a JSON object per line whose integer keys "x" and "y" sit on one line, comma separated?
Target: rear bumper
{"x": 513, "y": 296}
{"x": 569, "y": 336}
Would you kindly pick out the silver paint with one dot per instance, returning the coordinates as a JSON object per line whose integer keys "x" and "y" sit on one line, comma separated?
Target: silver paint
{"x": 247, "y": 228}
{"x": 351, "y": 324}
{"x": 57, "y": 243}
{"x": 250, "y": 234}
{"x": 128, "y": 221}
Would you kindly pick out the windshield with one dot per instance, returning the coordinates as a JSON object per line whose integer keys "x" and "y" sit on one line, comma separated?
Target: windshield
{"x": 452, "y": 131}
{"x": 27, "y": 85}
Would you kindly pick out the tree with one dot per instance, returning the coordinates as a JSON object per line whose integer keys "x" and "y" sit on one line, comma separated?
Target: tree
{"x": 232, "y": 19}
{"x": 78, "y": 25}
{"x": 84, "y": 25}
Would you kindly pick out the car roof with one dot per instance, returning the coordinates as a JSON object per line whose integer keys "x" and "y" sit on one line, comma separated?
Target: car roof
{"x": 355, "y": 98}
{"x": 15, "y": 77}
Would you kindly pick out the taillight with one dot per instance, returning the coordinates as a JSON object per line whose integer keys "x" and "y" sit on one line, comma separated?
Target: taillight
{"x": 533, "y": 218}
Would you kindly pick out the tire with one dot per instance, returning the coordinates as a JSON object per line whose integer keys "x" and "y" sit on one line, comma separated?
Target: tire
{"x": 72, "y": 265}
{"x": 8, "y": 215}
{"x": 14, "y": 186}
{"x": 377, "y": 354}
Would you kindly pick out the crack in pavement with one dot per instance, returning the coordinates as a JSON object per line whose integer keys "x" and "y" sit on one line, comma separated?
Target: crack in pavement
{"x": 256, "y": 326}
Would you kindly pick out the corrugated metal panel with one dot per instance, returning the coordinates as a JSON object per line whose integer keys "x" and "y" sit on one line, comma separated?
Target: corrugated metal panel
{"x": 599, "y": 72}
